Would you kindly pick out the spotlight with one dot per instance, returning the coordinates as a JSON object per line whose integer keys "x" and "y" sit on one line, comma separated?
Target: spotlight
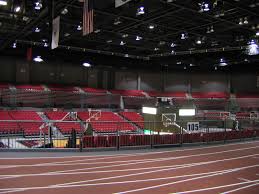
{"x": 37, "y": 30}
{"x": 86, "y": 64}
{"x": 141, "y": 10}
{"x": 222, "y": 62}
{"x": 245, "y": 20}
{"x": 38, "y": 59}
{"x": 184, "y": 36}
{"x": 17, "y": 9}
{"x": 38, "y": 5}
{"x": 46, "y": 44}
{"x": 97, "y": 31}
{"x": 204, "y": 7}
{"x": 198, "y": 41}
{"x": 252, "y": 48}
{"x": 138, "y": 38}
{"x": 125, "y": 35}
{"x": 151, "y": 26}
{"x": 156, "y": 49}
{"x": 2, "y": 2}
{"x": 14, "y": 45}
{"x": 257, "y": 33}
{"x": 79, "y": 28}
{"x": 240, "y": 21}
{"x": 122, "y": 43}
{"x": 173, "y": 45}
{"x": 64, "y": 11}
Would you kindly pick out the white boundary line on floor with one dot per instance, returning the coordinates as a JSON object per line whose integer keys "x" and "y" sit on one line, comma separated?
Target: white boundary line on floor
{"x": 127, "y": 162}
{"x": 217, "y": 187}
{"x": 161, "y": 170}
{"x": 142, "y": 161}
{"x": 241, "y": 188}
{"x": 136, "y": 154}
{"x": 173, "y": 183}
{"x": 9, "y": 190}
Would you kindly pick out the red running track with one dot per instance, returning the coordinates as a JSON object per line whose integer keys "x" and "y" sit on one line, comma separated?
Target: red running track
{"x": 230, "y": 168}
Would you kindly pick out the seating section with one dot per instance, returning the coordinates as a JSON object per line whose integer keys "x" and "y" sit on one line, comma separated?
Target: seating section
{"x": 248, "y": 100}
{"x": 167, "y": 94}
{"x": 210, "y": 95}
{"x": 60, "y": 88}
{"x": 134, "y": 117}
{"x": 30, "y": 87}
{"x": 108, "y": 122}
{"x": 4, "y": 86}
{"x": 7, "y": 126}
{"x": 64, "y": 127}
{"x": 29, "y": 128}
{"x": 94, "y": 90}
{"x": 136, "y": 93}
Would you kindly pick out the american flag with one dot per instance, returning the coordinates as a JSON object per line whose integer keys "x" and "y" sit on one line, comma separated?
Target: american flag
{"x": 88, "y": 17}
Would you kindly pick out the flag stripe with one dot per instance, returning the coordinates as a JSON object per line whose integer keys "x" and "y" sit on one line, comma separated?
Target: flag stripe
{"x": 88, "y": 15}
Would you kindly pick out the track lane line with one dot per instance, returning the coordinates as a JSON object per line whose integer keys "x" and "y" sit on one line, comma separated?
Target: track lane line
{"x": 136, "y": 154}
{"x": 241, "y": 188}
{"x": 217, "y": 187}
{"x": 176, "y": 182}
{"x": 209, "y": 174}
{"x": 145, "y": 160}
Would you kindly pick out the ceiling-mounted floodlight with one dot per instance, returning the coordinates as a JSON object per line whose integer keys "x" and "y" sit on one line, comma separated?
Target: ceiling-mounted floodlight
{"x": 187, "y": 112}
{"x": 64, "y": 11}
{"x": 141, "y": 10}
{"x": 151, "y": 26}
{"x": 2, "y": 2}
{"x": 222, "y": 62}
{"x": 184, "y": 36}
{"x": 37, "y": 30}
{"x": 38, "y": 59}
{"x": 86, "y": 64}
{"x": 149, "y": 110}
{"x": 122, "y": 43}
{"x": 17, "y": 9}
{"x": 138, "y": 38}
{"x": 204, "y": 7}
{"x": 252, "y": 48}
{"x": 38, "y": 5}
{"x": 79, "y": 28}
{"x": 14, "y": 45}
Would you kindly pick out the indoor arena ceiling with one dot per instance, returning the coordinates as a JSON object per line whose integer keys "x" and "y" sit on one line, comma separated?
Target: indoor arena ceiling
{"x": 168, "y": 31}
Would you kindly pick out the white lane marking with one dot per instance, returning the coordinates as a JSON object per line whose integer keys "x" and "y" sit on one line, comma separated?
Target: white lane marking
{"x": 210, "y": 174}
{"x": 136, "y": 154}
{"x": 128, "y": 162}
{"x": 217, "y": 187}
{"x": 142, "y": 161}
{"x": 161, "y": 170}
{"x": 241, "y": 188}
{"x": 147, "y": 180}
{"x": 176, "y": 182}
{"x": 243, "y": 179}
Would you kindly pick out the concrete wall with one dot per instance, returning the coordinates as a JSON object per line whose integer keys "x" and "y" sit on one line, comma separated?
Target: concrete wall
{"x": 20, "y": 71}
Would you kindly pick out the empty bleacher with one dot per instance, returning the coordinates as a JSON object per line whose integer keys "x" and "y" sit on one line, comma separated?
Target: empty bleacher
{"x": 247, "y": 101}
{"x": 134, "y": 117}
{"x": 64, "y": 127}
{"x": 29, "y": 128}
{"x": 134, "y": 93}
{"x": 7, "y": 126}
{"x": 30, "y": 87}
{"x": 167, "y": 94}
{"x": 108, "y": 122}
